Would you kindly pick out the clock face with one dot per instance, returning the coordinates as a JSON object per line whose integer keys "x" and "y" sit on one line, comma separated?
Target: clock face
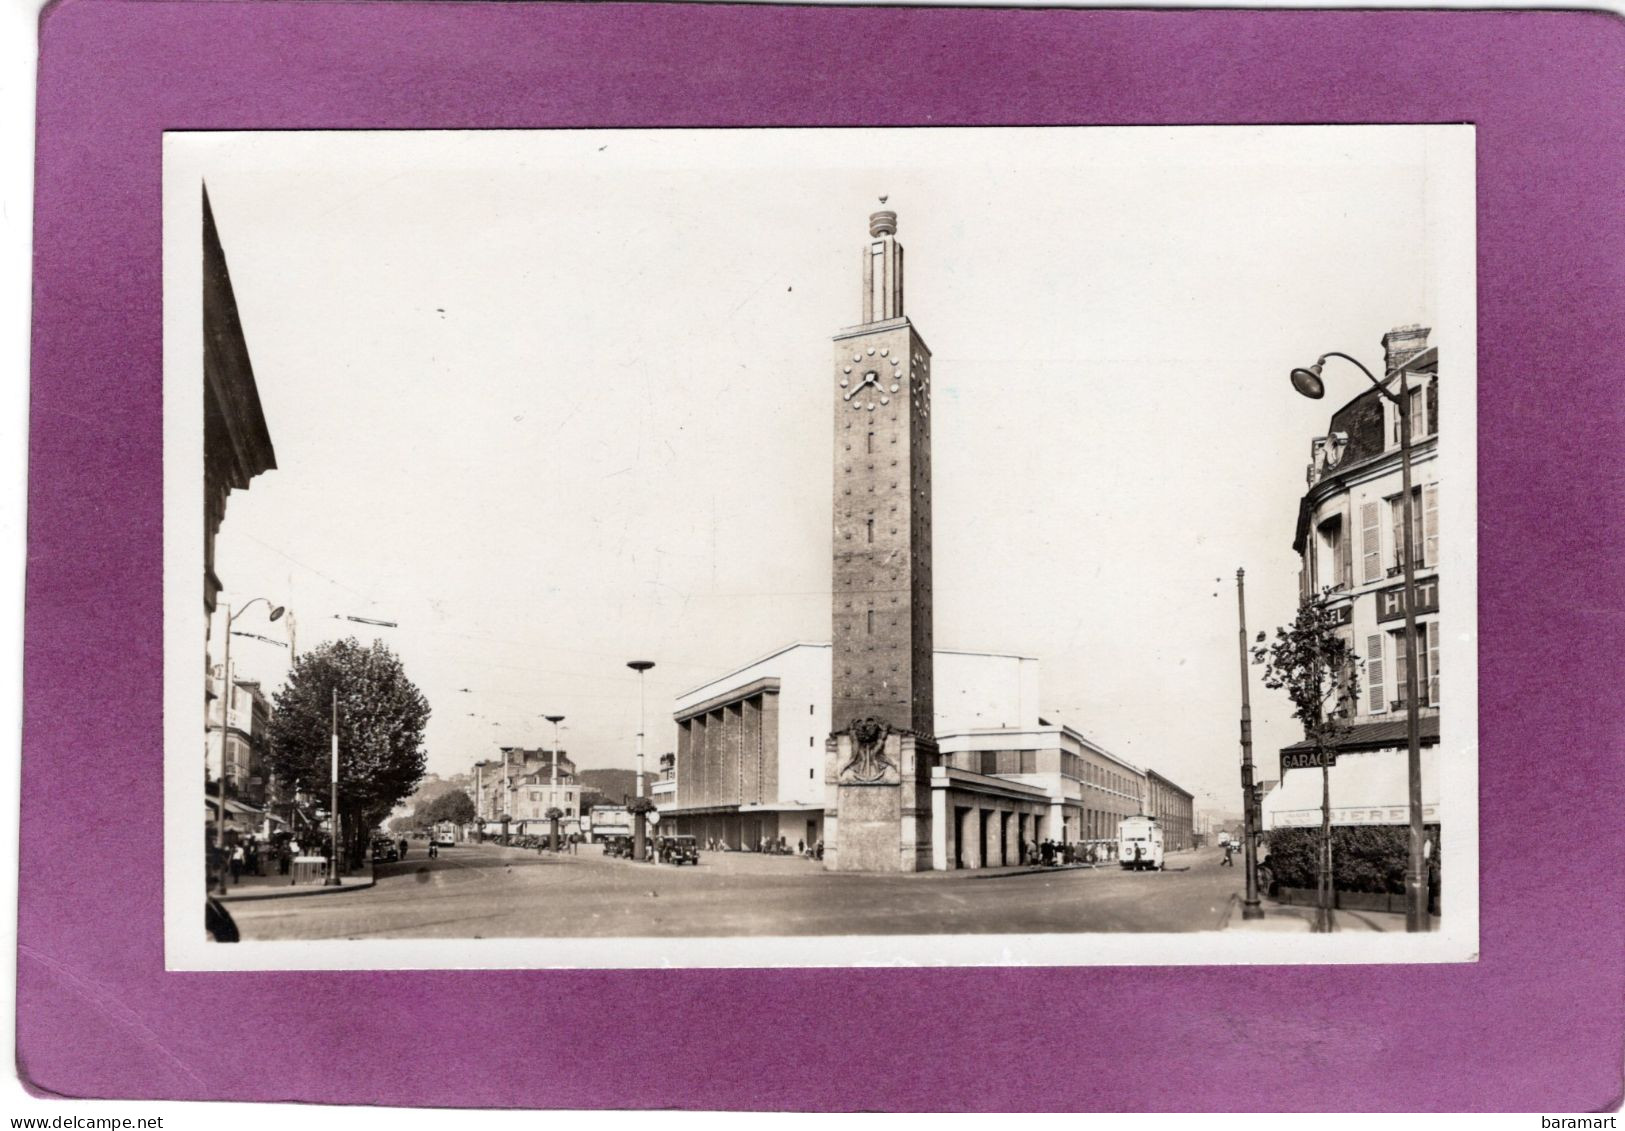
{"x": 871, "y": 377}
{"x": 921, "y": 384}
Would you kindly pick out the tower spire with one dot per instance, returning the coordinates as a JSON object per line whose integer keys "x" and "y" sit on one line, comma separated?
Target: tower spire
{"x": 882, "y": 269}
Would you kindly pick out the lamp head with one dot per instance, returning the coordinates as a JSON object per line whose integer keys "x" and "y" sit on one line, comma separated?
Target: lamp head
{"x": 640, "y": 665}
{"x": 1308, "y": 382}
{"x": 277, "y": 611}
{"x": 555, "y": 719}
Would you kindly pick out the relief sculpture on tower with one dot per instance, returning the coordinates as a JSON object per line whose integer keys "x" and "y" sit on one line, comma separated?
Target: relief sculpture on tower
{"x": 868, "y": 764}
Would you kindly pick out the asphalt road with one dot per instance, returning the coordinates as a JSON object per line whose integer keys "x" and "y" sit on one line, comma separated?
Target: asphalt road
{"x": 484, "y": 891}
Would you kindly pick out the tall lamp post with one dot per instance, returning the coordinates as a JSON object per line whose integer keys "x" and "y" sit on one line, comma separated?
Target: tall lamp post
{"x": 333, "y": 803}
{"x": 553, "y": 785}
{"x": 1250, "y": 908}
{"x": 225, "y": 729}
{"x": 639, "y": 821}
{"x": 1309, "y": 383}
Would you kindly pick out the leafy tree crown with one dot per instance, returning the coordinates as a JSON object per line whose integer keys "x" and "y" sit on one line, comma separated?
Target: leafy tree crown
{"x": 1316, "y": 667}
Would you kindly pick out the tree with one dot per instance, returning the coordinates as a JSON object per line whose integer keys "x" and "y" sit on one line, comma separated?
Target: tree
{"x": 640, "y": 808}
{"x": 381, "y": 717}
{"x": 1319, "y": 671}
{"x": 455, "y": 806}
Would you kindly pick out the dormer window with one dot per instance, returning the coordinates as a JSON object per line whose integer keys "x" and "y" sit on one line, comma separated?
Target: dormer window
{"x": 1418, "y": 395}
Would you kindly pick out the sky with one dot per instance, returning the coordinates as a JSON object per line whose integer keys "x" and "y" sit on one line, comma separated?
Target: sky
{"x": 553, "y": 401}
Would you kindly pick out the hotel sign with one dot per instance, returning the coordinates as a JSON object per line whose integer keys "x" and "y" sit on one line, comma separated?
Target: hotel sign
{"x": 1391, "y": 602}
{"x": 1306, "y": 760}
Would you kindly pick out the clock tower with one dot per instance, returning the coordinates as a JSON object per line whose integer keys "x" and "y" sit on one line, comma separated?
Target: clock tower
{"x": 878, "y": 812}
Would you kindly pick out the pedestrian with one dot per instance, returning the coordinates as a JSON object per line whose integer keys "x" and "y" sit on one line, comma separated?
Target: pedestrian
{"x": 236, "y": 863}
{"x": 284, "y": 859}
{"x": 801, "y": 847}
{"x": 403, "y": 848}
{"x": 1227, "y": 862}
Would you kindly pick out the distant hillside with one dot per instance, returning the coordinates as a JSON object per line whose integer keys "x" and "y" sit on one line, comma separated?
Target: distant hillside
{"x": 430, "y": 789}
{"x": 611, "y": 785}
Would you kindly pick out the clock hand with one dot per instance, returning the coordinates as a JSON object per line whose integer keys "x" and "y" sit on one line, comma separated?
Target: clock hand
{"x": 868, "y": 379}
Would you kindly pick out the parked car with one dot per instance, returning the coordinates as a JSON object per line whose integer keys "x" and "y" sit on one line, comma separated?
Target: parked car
{"x": 679, "y": 850}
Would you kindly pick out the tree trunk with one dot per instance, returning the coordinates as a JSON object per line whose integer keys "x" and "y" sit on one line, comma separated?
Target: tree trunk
{"x": 1323, "y": 914}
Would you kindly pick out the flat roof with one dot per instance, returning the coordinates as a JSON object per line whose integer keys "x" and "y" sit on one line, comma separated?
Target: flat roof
{"x": 762, "y": 659}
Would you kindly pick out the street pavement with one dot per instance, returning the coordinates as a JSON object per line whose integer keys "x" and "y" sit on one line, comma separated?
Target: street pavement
{"x": 486, "y": 891}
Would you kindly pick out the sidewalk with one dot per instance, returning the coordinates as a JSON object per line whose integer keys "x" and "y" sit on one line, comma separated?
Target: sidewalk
{"x": 274, "y": 886}
{"x": 1282, "y": 917}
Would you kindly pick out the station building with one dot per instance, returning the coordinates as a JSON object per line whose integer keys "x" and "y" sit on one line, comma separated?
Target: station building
{"x": 1350, "y": 539}
{"x": 750, "y": 764}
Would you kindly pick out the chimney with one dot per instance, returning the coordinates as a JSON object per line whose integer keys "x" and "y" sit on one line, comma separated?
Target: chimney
{"x": 1402, "y": 343}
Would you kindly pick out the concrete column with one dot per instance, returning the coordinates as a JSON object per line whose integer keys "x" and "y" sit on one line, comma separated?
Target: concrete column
{"x": 990, "y": 837}
{"x": 941, "y": 835}
{"x": 1012, "y": 854}
{"x": 970, "y": 837}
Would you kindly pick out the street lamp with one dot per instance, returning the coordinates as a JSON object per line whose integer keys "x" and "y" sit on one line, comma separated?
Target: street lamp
{"x": 638, "y": 819}
{"x": 553, "y": 790}
{"x": 225, "y": 726}
{"x": 1308, "y": 382}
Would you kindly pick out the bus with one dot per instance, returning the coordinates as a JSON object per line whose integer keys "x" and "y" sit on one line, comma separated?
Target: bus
{"x": 445, "y": 834}
{"x": 1139, "y": 843}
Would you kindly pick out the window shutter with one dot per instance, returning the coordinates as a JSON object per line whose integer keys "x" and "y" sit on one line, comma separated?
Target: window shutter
{"x": 1370, "y": 541}
{"x": 1373, "y": 673}
{"x": 1396, "y": 512}
{"x": 1430, "y": 525}
{"x": 1433, "y": 664}
{"x": 1345, "y": 548}
{"x": 1433, "y": 406}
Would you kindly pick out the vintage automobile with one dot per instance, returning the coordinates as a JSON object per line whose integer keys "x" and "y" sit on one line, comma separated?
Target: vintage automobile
{"x": 679, "y": 850}
{"x": 385, "y": 850}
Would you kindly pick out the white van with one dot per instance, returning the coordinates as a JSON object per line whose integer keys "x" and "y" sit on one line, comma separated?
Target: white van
{"x": 1139, "y": 843}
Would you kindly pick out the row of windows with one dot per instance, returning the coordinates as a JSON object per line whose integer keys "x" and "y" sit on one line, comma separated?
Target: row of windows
{"x": 1075, "y": 766}
{"x": 1005, "y": 761}
{"x": 1331, "y": 561}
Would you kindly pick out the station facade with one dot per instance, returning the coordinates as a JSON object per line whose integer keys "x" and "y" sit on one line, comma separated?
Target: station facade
{"x": 750, "y": 762}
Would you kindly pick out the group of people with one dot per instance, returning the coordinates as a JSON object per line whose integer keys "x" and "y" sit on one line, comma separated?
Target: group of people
{"x": 250, "y": 856}
{"x": 770, "y": 847}
{"x": 1054, "y": 852}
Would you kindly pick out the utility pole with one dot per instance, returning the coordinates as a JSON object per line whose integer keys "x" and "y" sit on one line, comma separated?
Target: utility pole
{"x": 1250, "y": 908}
{"x": 333, "y": 805}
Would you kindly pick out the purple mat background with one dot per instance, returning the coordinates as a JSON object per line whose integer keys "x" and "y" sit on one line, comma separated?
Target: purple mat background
{"x": 1538, "y": 1024}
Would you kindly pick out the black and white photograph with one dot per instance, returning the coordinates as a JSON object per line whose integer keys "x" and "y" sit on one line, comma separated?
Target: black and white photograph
{"x": 820, "y": 547}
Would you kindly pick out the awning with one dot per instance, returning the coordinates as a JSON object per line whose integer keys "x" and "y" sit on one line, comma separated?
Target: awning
{"x": 1377, "y": 736}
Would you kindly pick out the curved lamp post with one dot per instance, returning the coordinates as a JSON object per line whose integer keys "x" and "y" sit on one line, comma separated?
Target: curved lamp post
{"x": 639, "y": 820}
{"x": 1309, "y": 383}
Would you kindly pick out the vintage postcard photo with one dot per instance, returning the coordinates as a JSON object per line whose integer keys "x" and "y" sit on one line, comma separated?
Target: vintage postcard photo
{"x": 616, "y": 549}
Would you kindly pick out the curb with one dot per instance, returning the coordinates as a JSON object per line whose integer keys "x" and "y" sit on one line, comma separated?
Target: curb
{"x": 296, "y": 893}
